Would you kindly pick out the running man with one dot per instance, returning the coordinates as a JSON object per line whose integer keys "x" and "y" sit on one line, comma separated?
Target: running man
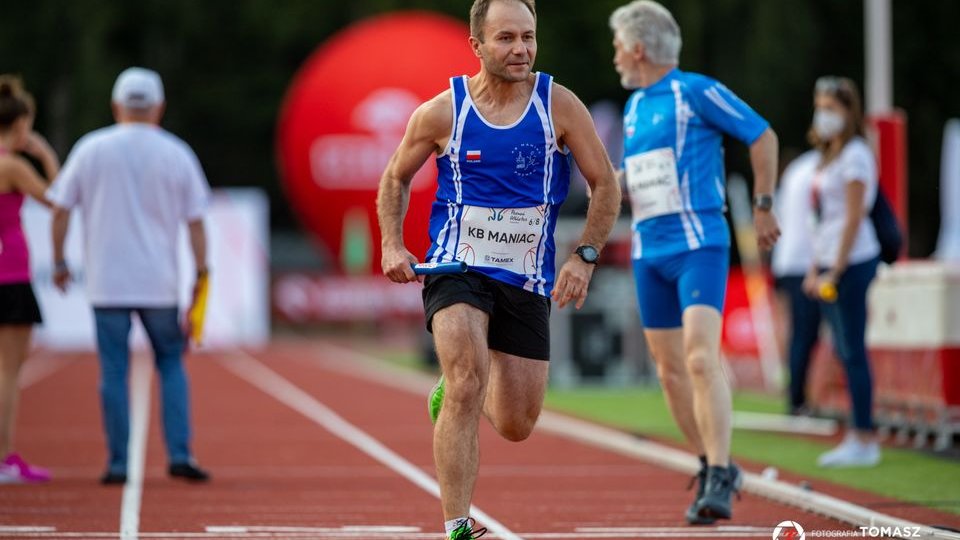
{"x": 674, "y": 124}
{"x": 502, "y": 140}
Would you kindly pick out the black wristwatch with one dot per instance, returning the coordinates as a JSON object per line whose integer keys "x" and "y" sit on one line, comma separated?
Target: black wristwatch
{"x": 588, "y": 253}
{"x": 763, "y": 201}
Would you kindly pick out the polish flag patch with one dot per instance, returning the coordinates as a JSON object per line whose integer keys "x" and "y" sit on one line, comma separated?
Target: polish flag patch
{"x": 473, "y": 156}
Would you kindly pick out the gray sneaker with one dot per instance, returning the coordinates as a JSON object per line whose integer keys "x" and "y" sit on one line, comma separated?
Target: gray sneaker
{"x": 692, "y": 515}
{"x": 721, "y": 484}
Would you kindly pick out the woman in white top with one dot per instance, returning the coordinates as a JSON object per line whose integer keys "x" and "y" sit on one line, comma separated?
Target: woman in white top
{"x": 846, "y": 252}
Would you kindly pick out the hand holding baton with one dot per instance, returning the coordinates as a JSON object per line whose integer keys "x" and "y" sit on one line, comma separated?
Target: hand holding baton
{"x": 828, "y": 292}
{"x": 197, "y": 313}
{"x": 430, "y": 268}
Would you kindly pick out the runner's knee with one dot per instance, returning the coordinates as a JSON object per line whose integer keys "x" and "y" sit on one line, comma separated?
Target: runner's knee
{"x": 671, "y": 375}
{"x": 517, "y": 427}
{"x": 463, "y": 391}
{"x": 700, "y": 363}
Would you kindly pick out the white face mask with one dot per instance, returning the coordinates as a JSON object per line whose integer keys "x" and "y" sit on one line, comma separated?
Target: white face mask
{"x": 827, "y": 124}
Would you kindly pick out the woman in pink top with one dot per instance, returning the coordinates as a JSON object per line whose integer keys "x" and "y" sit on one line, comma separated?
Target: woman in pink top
{"x": 18, "y": 305}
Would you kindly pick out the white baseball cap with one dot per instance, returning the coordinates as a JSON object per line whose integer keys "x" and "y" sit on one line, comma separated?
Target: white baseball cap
{"x": 138, "y": 88}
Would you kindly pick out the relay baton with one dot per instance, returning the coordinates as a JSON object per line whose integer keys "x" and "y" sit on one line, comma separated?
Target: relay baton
{"x": 198, "y": 311}
{"x": 430, "y": 268}
{"x": 828, "y": 292}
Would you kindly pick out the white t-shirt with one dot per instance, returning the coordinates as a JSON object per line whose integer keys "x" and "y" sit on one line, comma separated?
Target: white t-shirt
{"x": 136, "y": 186}
{"x": 856, "y": 163}
{"x": 793, "y": 252}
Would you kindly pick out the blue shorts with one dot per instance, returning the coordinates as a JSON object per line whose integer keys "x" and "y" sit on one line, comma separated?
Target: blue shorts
{"x": 669, "y": 284}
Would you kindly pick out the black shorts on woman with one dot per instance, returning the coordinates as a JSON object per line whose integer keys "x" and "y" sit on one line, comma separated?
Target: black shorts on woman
{"x": 519, "y": 319}
{"x": 19, "y": 304}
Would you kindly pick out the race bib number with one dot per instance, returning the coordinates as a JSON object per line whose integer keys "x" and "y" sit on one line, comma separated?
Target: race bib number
{"x": 653, "y": 184}
{"x": 505, "y": 238}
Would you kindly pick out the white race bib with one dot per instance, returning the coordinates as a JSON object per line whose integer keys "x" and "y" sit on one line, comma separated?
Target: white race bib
{"x": 505, "y": 238}
{"x": 653, "y": 184}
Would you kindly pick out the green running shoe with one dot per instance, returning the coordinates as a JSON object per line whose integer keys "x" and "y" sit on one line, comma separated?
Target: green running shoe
{"x": 435, "y": 400}
{"x": 466, "y": 530}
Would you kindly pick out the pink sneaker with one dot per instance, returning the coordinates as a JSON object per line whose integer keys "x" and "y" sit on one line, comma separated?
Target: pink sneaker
{"x": 14, "y": 470}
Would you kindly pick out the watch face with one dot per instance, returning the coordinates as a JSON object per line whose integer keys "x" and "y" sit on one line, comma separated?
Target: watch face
{"x": 763, "y": 202}
{"x": 588, "y": 253}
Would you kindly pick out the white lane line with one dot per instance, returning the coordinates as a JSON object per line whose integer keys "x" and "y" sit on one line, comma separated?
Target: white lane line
{"x": 784, "y": 423}
{"x": 676, "y": 532}
{"x": 239, "y": 533}
{"x": 352, "y": 529}
{"x": 366, "y": 366}
{"x": 397, "y": 532}
{"x": 36, "y": 369}
{"x": 711, "y": 530}
{"x": 229, "y": 532}
{"x": 253, "y": 371}
{"x": 242, "y": 536}
{"x": 366, "y": 532}
{"x": 141, "y": 372}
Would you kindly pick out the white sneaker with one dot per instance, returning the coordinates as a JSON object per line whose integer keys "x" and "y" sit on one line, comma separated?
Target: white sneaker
{"x": 9, "y": 474}
{"x": 851, "y": 453}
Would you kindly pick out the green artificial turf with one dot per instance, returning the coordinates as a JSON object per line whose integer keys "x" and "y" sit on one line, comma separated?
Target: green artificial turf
{"x": 906, "y": 475}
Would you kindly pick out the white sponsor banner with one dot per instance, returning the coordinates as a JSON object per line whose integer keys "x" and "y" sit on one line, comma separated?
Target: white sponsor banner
{"x": 238, "y": 251}
{"x": 304, "y": 298}
{"x": 915, "y": 305}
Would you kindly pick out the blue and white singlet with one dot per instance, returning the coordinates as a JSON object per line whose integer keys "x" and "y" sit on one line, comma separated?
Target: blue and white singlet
{"x": 673, "y": 160}
{"x": 499, "y": 189}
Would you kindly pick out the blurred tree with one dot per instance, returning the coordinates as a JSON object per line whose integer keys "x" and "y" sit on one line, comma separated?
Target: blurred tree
{"x": 227, "y": 63}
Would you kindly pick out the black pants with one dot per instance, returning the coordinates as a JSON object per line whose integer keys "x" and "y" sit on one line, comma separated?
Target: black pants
{"x": 804, "y": 330}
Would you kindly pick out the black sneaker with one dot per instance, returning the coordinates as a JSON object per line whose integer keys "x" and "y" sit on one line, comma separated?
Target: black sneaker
{"x": 800, "y": 410}
{"x": 189, "y": 471}
{"x": 722, "y": 483}
{"x": 113, "y": 478}
{"x": 693, "y": 513}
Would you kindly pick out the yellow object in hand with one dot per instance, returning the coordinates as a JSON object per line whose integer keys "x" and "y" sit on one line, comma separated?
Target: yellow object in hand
{"x": 828, "y": 292}
{"x": 198, "y": 310}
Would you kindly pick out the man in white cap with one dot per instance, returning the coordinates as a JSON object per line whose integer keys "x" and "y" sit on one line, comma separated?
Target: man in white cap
{"x": 135, "y": 184}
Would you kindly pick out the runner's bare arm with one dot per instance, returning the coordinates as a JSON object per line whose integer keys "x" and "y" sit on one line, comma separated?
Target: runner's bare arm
{"x": 576, "y": 131}
{"x": 763, "y": 159}
{"x": 198, "y": 244}
{"x": 427, "y": 133}
{"x": 37, "y": 146}
{"x": 58, "y": 230}
{"x": 26, "y": 180}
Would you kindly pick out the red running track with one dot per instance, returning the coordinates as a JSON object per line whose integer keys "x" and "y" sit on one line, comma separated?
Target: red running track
{"x": 304, "y": 443}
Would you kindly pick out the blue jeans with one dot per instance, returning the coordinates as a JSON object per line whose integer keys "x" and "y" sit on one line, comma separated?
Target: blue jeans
{"x": 167, "y": 340}
{"x": 848, "y": 321}
{"x": 804, "y": 330}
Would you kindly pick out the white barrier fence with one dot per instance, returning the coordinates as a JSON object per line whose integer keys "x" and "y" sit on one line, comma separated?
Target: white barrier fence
{"x": 238, "y": 310}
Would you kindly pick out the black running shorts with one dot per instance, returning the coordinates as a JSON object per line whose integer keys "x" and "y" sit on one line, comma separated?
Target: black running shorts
{"x": 519, "y": 319}
{"x": 19, "y": 305}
